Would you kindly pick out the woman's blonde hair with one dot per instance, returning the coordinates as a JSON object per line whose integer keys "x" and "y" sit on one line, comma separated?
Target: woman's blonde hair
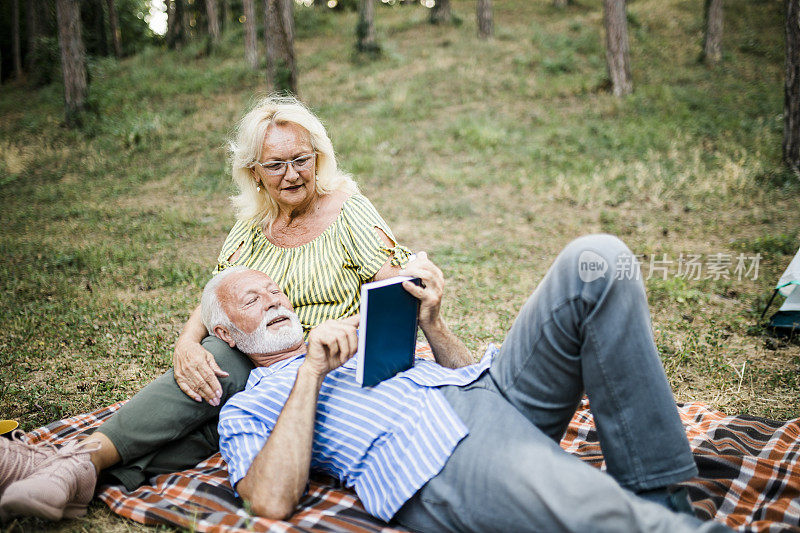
{"x": 256, "y": 207}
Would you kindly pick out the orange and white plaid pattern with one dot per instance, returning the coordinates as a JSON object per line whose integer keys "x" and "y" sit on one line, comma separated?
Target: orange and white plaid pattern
{"x": 749, "y": 479}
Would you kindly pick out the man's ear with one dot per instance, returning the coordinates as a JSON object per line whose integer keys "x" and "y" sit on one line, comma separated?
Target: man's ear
{"x": 222, "y": 333}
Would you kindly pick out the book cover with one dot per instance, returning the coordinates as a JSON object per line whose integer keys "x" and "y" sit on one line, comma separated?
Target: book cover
{"x": 387, "y": 334}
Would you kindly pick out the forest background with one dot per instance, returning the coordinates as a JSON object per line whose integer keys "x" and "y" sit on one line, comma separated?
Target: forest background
{"x": 489, "y": 154}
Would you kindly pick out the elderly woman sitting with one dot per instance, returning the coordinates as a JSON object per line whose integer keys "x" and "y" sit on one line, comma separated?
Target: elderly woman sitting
{"x": 300, "y": 220}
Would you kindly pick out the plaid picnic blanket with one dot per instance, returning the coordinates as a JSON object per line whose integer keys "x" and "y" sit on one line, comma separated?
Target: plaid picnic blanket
{"x": 749, "y": 479}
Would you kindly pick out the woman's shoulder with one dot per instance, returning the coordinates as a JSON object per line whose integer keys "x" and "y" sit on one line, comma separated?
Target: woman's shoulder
{"x": 242, "y": 226}
{"x": 357, "y": 207}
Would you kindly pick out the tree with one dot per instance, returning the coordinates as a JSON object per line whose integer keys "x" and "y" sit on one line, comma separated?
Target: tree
{"x": 617, "y": 54}
{"x": 186, "y": 20}
{"x": 100, "y": 44}
{"x": 116, "y": 35}
{"x": 791, "y": 91}
{"x": 279, "y": 36}
{"x": 485, "y": 22}
{"x": 175, "y": 24}
{"x": 441, "y": 13}
{"x": 213, "y": 20}
{"x": 366, "y": 39}
{"x": 250, "y": 40}
{"x": 15, "y": 53}
{"x": 226, "y": 15}
{"x": 712, "y": 46}
{"x": 33, "y": 29}
{"x": 73, "y": 59}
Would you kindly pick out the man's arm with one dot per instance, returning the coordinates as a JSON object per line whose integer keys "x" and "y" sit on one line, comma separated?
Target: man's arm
{"x": 447, "y": 349}
{"x": 277, "y": 478}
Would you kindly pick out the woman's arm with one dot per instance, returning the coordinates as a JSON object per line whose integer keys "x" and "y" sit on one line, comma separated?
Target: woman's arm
{"x": 448, "y": 350}
{"x": 195, "y": 369}
{"x": 388, "y": 270}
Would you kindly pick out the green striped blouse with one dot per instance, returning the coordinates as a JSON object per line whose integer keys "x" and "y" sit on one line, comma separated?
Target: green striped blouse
{"x": 322, "y": 278}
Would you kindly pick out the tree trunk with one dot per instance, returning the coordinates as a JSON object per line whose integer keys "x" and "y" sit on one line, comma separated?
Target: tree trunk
{"x": 33, "y": 29}
{"x": 100, "y": 28}
{"x": 485, "y": 22}
{"x": 226, "y": 15}
{"x": 250, "y": 39}
{"x": 366, "y": 40}
{"x": 617, "y": 54}
{"x": 174, "y": 24}
{"x": 279, "y": 36}
{"x": 213, "y": 20}
{"x": 186, "y": 20}
{"x": 791, "y": 108}
{"x": 73, "y": 60}
{"x": 180, "y": 28}
{"x": 113, "y": 20}
{"x": 712, "y": 47}
{"x": 440, "y": 12}
{"x": 168, "y": 37}
{"x": 15, "y": 49}
{"x": 560, "y": 3}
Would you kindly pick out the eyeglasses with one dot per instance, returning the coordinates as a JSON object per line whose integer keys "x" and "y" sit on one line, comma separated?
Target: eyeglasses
{"x": 278, "y": 168}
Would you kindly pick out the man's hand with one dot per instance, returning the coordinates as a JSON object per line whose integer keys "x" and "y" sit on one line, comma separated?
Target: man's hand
{"x": 429, "y": 292}
{"x": 331, "y": 344}
{"x": 196, "y": 372}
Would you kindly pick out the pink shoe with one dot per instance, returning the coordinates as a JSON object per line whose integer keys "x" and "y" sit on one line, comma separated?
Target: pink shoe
{"x": 60, "y": 487}
{"x": 18, "y": 459}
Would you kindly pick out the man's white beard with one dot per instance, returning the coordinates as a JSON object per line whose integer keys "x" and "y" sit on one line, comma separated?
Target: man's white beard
{"x": 263, "y": 340}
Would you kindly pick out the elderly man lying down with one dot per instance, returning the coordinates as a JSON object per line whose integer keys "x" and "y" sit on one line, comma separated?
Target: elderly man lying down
{"x": 451, "y": 445}
{"x": 457, "y": 446}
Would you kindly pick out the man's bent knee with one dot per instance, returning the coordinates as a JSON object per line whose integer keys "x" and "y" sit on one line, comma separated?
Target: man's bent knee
{"x": 599, "y": 256}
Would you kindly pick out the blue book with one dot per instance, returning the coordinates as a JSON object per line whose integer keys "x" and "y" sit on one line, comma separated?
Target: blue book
{"x": 387, "y": 334}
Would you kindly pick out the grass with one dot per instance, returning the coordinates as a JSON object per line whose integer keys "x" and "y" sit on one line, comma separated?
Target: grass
{"x": 489, "y": 155}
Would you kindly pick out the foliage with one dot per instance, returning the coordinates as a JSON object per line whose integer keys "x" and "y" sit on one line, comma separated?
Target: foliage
{"x": 310, "y": 21}
{"x": 96, "y": 35}
{"x": 47, "y": 58}
{"x": 135, "y": 32}
{"x": 772, "y": 244}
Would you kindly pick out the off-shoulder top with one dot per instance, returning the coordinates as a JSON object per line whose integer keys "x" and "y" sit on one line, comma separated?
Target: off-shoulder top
{"x": 323, "y": 277}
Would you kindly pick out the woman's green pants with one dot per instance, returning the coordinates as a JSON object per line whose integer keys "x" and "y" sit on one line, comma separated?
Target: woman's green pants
{"x": 162, "y": 430}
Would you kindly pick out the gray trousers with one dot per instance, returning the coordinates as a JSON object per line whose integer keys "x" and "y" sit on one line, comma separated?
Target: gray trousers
{"x": 575, "y": 334}
{"x": 161, "y": 430}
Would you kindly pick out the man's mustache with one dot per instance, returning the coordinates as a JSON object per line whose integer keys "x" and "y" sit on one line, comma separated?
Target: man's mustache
{"x": 272, "y": 314}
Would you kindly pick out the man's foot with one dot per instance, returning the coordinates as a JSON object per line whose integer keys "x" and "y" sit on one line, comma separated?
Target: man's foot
{"x": 680, "y": 501}
{"x": 675, "y": 500}
{"x": 18, "y": 459}
{"x": 60, "y": 487}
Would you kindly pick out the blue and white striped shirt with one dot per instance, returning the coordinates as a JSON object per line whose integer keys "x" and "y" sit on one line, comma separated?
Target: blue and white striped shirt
{"x": 384, "y": 441}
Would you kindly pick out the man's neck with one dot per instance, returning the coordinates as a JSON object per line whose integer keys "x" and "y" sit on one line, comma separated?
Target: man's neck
{"x": 267, "y": 359}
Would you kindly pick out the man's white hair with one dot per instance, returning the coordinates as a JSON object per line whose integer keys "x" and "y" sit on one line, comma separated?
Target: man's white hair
{"x": 210, "y": 309}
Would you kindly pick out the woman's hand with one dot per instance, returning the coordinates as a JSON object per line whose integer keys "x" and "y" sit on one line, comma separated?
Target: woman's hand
{"x": 429, "y": 292}
{"x": 196, "y": 372}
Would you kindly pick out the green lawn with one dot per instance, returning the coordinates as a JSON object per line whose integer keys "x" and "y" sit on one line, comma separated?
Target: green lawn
{"x": 491, "y": 156}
